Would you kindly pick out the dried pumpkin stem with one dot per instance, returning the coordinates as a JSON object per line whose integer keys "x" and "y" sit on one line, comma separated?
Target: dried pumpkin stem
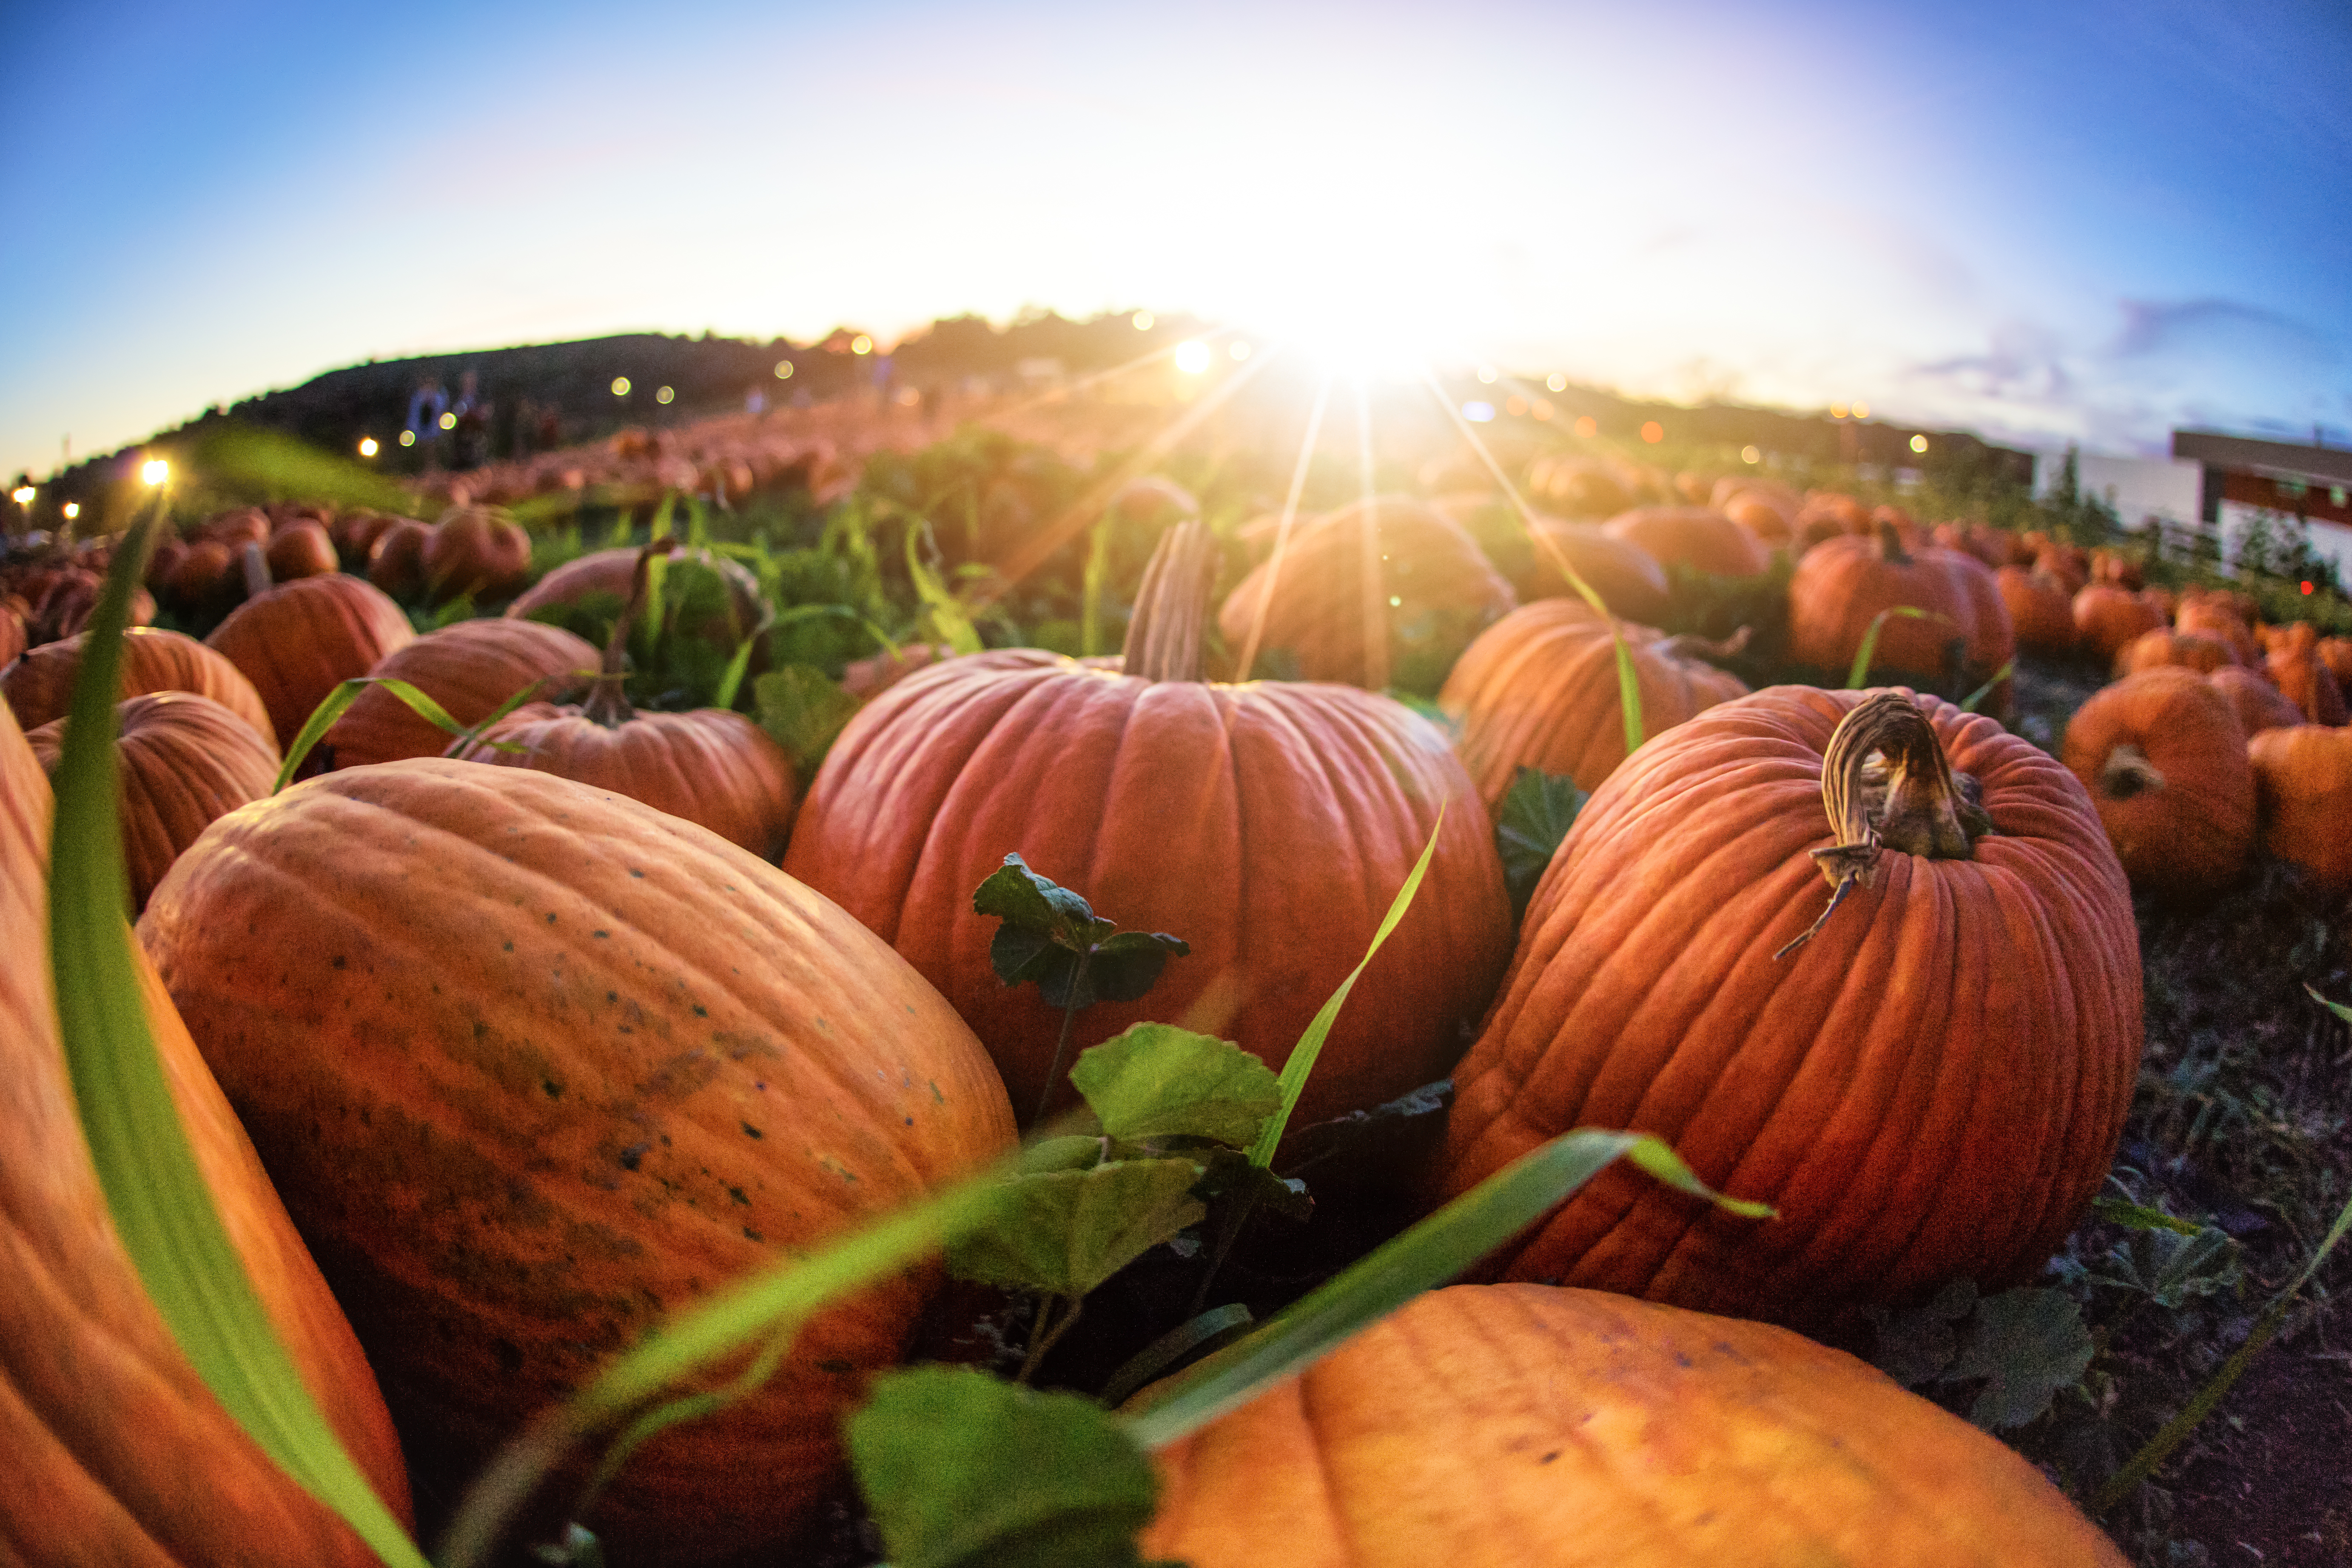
{"x": 1890, "y": 544}
{"x": 1690, "y": 644}
{"x": 257, "y": 570}
{"x": 1886, "y": 784}
{"x": 1163, "y": 638}
{"x": 608, "y": 701}
{"x": 2127, "y": 773}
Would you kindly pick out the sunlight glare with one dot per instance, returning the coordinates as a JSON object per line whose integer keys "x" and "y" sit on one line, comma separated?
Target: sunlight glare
{"x": 23, "y": 495}
{"x": 1192, "y": 357}
{"x": 155, "y": 471}
{"x": 1556, "y": 381}
{"x": 72, "y": 510}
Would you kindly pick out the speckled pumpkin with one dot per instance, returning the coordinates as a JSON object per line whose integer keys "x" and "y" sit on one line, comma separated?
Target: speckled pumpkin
{"x": 535, "y": 1064}
{"x": 40, "y": 686}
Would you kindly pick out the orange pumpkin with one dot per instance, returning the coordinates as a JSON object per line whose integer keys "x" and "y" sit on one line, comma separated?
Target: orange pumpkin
{"x": 1930, "y": 1088}
{"x": 300, "y": 549}
{"x": 2164, "y": 645}
{"x": 1211, "y": 812}
{"x": 395, "y": 561}
{"x": 2335, "y": 653}
{"x": 1625, "y": 576}
{"x": 469, "y": 668}
{"x": 116, "y": 1451}
{"x": 39, "y": 688}
{"x": 580, "y": 1066}
{"x": 2294, "y": 663}
{"x": 1523, "y": 1426}
{"x": 2303, "y": 785}
{"x": 1843, "y": 585}
{"x": 297, "y": 641}
{"x": 2218, "y": 616}
{"x": 1540, "y": 689}
{"x": 2040, "y": 609}
{"x": 2258, "y": 704}
{"x": 1383, "y": 590}
{"x": 1696, "y": 537}
{"x": 186, "y": 761}
{"x": 2108, "y": 619}
{"x": 475, "y": 552}
{"x": 2164, "y": 756}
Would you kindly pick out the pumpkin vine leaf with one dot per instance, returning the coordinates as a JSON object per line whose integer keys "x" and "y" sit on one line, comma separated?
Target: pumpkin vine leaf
{"x": 1063, "y": 1232}
{"x": 1538, "y": 811}
{"x": 2022, "y": 1347}
{"x": 1156, "y": 1081}
{"x": 1052, "y": 936}
{"x": 801, "y": 709}
{"x": 960, "y": 1469}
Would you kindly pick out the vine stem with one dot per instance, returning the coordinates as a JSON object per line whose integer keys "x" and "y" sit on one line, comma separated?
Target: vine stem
{"x": 1047, "y": 1330}
{"x": 1061, "y": 1045}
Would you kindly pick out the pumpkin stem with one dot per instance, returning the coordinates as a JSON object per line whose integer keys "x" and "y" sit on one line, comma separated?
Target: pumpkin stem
{"x": 1163, "y": 638}
{"x": 2127, "y": 773}
{"x": 1886, "y": 784}
{"x": 1890, "y": 544}
{"x": 1690, "y": 644}
{"x": 608, "y": 702}
{"x": 257, "y": 570}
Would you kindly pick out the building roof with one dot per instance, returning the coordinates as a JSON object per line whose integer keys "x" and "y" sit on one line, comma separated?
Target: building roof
{"x": 2271, "y": 460}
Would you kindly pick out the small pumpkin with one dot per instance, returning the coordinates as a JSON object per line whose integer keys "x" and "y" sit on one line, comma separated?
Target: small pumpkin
{"x": 2303, "y": 787}
{"x": 712, "y": 767}
{"x": 1526, "y": 1427}
{"x": 186, "y": 761}
{"x": 297, "y": 641}
{"x": 1843, "y": 585}
{"x": 1696, "y": 537}
{"x": 1629, "y": 581}
{"x": 395, "y": 561}
{"x": 2258, "y": 704}
{"x": 475, "y": 552}
{"x": 1213, "y": 812}
{"x": 1385, "y": 592}
{"x": 2040, "y": 608}
{"x": 2219, "y": 617}
{"x": 2294, "y": 662}
{"x": 39, "y": 688}
{"x": 2153, "y": 650}
{"x": 1540, "y": 689}
{"x": 470, "y": 668}
{"x": 1925, "y": 1071}
{"x": 301, "y": 549}
{"x": 2109, "y": 618}
{"x": 2164, "y": 757}
{"x": 577, "y": 1067}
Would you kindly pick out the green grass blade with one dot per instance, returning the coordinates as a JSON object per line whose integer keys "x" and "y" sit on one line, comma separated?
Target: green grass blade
{"x": 1968, "y": 704}
{"x": 338, "y": 701}
{"x": 1097, "y": 575}
{"x": 759, "y": 1304}
{"x": 1857, "y": 677}
{"x": 154, "y": 1189}
{"x": 948, "y": 620}
{"x": 1425, "y": 1257}
{"x": 1310, "y": 1044}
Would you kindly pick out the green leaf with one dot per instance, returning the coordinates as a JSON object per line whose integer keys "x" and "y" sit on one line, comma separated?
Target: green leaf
{"x": 1916, "y": 1346}
{"x": 1127, "y": 964}
{"x": 963, "y": 1470}
{"x": 1428, "y": 1254}
{"x": 1024, "y": 900}
{"x": 2171, "y": 1268}
{"x": 1155, "y": 1080}
{"x": 1066, "y": 1231}
{"x": 1968, "y": 703}
{"x": 2338, "y": 1008}
{"x": 1538, "y": 811}
{"x": 1318, "y": 1029}
{"x": 1052, "y": 938}
{"x": 2138, "y": 1216}
{"x": 802, "y": 710}
{"x": 155, "y": 1193}
{"x": 2026, "y": 1345}
{"x": 1859, "y": 676}
{"x": 949, "y": 624}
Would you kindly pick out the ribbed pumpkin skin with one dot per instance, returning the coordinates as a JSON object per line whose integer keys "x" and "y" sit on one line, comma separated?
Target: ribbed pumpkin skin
{"x": 40, "y": 686}
{"x": 2303, "y": 785}
{"x": 115, "y": 1451}
{"x": 1523, "y": 1426}
{"x": 186, "y": 761}
{"x": 1268, "y": 824}
{"x": 2040, "y": 608}
{"x": 537, "y": 1063}
{"x": 1627, "y": 581}
{"x": 712, "y": 767}
{"x": 2156, "y": 649}
{"x": 469, "y": 668}
{"x": 1931, "y": 1088}
{"x": 1698, "y": 537}
{"x": 297, "y": 641}
{"x": 2258, "y": 704}
{"x": 1540, "y": 689}
{"x": 1333, "y": 582}
{"x": 2190, "y": 838}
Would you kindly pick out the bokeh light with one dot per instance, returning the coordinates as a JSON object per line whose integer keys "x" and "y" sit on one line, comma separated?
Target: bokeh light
{"x": 1192, "y": 357}
{"x": 620, "y": 386}
{"x": 155, "y": 471}
{"x": 1143, "y": 320}
{"x": 448, "y": 422}
{"x": 861, "y": 344}
{"x": 1588, "y": 426}
{"x": 1652, "y": 432}
{"x": 1918, "y": 443}
{"x": 409, "y": 437}
{"x": 23, "y": 495}
{"x": 784, "y": 370}
{"x": 367, "y": 446}
{"x": 72, "y": 510}
{"x": 1751, "y": 454}
{"x": 665, "y": 396}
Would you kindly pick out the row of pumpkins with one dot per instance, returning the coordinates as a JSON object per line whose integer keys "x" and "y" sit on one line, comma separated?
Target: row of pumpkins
{"x": 531, "y": 1063}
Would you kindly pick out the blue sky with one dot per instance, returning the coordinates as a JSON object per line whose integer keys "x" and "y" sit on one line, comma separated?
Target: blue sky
{"x": 2047, "y": 223}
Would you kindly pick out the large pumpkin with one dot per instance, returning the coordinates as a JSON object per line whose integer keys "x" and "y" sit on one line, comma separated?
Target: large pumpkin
{"x": 186, "y": 761}
{"x": 1540, "y": 689}
{"x": 40, "y": 686}
{"x": 470, "y": 668}
{"x": 2164, "y": 756}
{"x": 1523, "y": 1426}
{"x": 1696, "y": 537}
{"x": 115, "y": 1450}
{"x": 1267, "y": 824}
{"x": 535, "y": 1065}
{"x": 2258, "y": 704}
{"x": 1386, "y": 591}
{"x": 297, "y": 641}
{"x": 1627, "y": 581}
{"x": 2039, "y": 607}
{"x": 1930, "y": 1088}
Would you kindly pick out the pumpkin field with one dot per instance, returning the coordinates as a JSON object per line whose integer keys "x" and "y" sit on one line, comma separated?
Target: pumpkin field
{"x": 1109, "y": 975}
